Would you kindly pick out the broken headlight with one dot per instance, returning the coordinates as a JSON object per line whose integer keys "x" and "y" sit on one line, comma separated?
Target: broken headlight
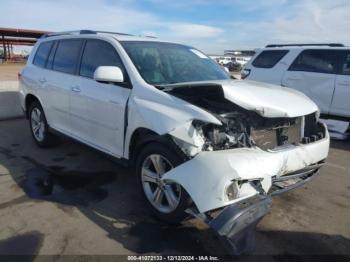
{"x": 232, "y": 191}
{"x": 230, "y": 134}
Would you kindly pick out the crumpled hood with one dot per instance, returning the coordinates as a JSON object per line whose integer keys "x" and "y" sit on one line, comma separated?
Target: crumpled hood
{"x": 265, "y": 99}
{"x": 268, "y": 100}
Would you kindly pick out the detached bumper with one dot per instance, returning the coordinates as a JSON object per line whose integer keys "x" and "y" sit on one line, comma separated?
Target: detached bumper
{"x": 235, "y": 225}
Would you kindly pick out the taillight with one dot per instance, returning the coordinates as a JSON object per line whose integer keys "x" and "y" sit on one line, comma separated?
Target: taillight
{"x": 245, "y": 73}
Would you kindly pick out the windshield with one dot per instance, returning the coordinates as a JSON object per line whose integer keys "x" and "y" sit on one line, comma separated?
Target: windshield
{"x": 168, "y": 63}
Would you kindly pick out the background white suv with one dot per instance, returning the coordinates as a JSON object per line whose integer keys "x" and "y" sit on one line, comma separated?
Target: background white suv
{"x": 322, "y": 72}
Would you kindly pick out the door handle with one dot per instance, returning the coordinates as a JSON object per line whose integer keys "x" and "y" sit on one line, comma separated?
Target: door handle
{"x": 76, "y": 89}
{"x": 293, "y": 79}
{"x": 42, "y": 80}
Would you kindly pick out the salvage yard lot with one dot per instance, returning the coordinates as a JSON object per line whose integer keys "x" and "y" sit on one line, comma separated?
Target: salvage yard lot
{"x": 96, "y": 206}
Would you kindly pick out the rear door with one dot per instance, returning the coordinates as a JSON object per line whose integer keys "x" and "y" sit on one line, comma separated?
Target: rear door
{"x": 341, "y": 98}
{"x": 313, "y": 73}
{"x": 97, "y": 109}
{"x": 34, "y": 77}
{"x": 59, "y": 78}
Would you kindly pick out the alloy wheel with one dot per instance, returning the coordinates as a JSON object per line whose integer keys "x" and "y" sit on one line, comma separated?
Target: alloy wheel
{"x": 164, "y": 196}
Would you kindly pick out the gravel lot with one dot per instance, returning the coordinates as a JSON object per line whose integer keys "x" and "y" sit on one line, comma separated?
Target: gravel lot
{"x": 8, "y": 72}
{"x": 96, "y": 207}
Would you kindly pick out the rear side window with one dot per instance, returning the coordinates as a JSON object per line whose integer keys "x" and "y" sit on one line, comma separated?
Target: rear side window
{"x": 42, "y": 53}
{"x": 318, "y": 61}
{"x": 66, "y": 56}
{"x": 269, "y": 58}
{"x": 345, "y": 66}
{"x": 98, "y": 53}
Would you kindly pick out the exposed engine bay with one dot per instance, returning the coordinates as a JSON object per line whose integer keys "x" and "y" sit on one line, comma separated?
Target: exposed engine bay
{"x": 243, "y": 128}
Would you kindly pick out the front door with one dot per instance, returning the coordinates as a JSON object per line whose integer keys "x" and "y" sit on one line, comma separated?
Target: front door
{"x": 97, "y": 109}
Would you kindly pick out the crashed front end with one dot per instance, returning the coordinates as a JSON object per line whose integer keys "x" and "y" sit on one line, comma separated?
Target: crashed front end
{"x": 234, "y": 168}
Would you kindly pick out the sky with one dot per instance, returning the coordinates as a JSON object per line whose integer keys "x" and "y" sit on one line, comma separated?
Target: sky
{"x": 211, "y": 26}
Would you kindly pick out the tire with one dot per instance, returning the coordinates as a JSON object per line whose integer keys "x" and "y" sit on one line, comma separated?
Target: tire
{"x": 175, "y": 213}
{"x": 39, "y": 127}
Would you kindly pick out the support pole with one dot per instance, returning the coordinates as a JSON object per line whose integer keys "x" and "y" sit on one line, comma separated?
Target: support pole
{"x": 4, "y": 46}
{"x": 8, "y": 50}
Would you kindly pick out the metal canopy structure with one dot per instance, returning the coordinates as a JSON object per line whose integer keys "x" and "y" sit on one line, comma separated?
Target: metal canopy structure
{"x": 15, "y": 36}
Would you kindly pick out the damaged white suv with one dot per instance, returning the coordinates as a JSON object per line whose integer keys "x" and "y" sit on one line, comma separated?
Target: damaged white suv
{"x": 202, "y": 143}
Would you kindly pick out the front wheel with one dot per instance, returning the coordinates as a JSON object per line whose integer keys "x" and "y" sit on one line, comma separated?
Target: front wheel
{"x": 168, "y": 200}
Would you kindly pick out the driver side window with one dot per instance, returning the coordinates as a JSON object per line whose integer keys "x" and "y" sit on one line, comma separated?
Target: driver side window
{"x": 98, "y": 53}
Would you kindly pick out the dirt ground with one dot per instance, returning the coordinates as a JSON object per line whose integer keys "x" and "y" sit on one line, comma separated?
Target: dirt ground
{"x": 96, "y": 207}
{"x": 8, "y": 72}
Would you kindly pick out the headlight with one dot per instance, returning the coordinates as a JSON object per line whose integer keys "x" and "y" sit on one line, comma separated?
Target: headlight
{"x": 232, "y": 191}
{"x": 230, "y": 134}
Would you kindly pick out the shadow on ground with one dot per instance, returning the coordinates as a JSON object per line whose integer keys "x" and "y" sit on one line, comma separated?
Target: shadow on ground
{"x": 26, "y": 244}
{"x": 113, "y": 203}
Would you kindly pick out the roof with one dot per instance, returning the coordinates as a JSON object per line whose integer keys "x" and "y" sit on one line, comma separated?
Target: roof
{"x": 91, "y": 33}
{"x": 304, "y": 47}
{"x": 332, "y": 46}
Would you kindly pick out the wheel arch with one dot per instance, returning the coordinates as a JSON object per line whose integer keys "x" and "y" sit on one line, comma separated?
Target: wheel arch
{"x": 29, "y": 99}
{"x": 140, "y": 137}
{"x": 143, "y": 136}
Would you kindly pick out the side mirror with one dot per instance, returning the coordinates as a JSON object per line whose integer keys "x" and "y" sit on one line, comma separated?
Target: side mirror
{"x": 109, "y": 74}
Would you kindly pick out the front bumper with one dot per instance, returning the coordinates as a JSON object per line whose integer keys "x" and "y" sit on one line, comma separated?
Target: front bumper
{"x": 207, "y": 176}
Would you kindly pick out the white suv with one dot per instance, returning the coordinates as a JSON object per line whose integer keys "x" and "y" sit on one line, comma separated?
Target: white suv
{"x": 201, "y": 143}
{"x": 322, "y": 72}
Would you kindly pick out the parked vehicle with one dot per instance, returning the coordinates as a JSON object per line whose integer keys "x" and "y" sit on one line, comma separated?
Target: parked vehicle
{"x": 233, "y": 66}
{"x": 201, "y": 143}
{"x": 224, "y": 60}
{"x": 322, "y": 72}
{"x": 242, "y": 60}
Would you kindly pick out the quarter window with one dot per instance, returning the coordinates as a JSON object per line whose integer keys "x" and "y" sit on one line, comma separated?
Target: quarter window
{"x": 98, "y": 53}
{"x": 42, "y": 54}
{"x": 66, "y": 56}
{"x": 269, "y": 58}
{"x": 319, "y": 61}
{"x": 51, "y": 56}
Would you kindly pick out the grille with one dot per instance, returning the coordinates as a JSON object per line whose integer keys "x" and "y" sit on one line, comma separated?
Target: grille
{"x": 270, "y": 138}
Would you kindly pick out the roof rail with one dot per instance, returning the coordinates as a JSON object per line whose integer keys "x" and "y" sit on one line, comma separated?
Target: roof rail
{"x": 325, "y": 44}
{"x": 80, "y": 32}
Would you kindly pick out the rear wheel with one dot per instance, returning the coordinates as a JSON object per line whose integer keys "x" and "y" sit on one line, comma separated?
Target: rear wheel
{"x": 39, "y": 127}
{"x": 168, "y": 200}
